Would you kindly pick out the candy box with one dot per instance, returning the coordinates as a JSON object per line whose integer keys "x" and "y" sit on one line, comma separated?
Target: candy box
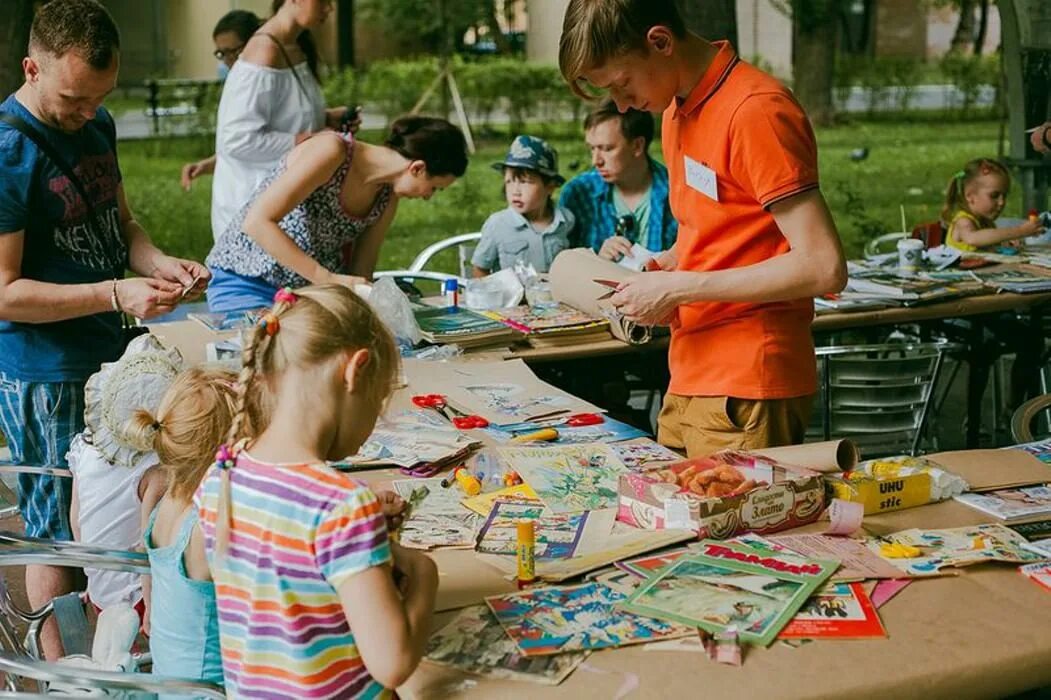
{"x": 721, "y": 495}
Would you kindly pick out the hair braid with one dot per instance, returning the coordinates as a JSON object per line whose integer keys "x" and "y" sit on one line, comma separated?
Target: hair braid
{"x": 251, "y": 358}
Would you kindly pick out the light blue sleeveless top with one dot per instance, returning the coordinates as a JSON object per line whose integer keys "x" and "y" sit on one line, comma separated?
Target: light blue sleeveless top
{"x": 184, "y": 622}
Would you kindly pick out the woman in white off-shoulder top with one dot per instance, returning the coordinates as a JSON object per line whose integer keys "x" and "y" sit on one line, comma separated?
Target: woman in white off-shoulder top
{"x": 271, "y": 101}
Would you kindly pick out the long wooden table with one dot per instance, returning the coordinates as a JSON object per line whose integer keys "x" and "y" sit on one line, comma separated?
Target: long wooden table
{"x": 984, "y": 633}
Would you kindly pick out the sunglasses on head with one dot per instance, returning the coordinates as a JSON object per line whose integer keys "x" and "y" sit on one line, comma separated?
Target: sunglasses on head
{"x": 222, "y": 54}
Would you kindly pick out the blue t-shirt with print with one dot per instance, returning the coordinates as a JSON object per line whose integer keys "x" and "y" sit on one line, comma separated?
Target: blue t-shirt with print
{"x": 61, "y": 245}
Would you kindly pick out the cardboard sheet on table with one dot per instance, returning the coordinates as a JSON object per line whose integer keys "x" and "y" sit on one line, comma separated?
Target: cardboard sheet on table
{"x": 603, "y": 542}
{"x": 572, "y": 274}
{"x": 825, "y": 457}
{"x": 988, "y": 470}
{"x": 500, "y": 392}
{"x": 969, "y": 610}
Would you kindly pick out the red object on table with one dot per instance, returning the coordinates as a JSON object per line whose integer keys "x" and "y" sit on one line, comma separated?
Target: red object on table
{"x": 581, "y": 419}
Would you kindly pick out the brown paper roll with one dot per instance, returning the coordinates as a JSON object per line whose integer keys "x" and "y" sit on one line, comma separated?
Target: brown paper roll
{"x": 571, "y": 276}
{"x": 826, "y": 457}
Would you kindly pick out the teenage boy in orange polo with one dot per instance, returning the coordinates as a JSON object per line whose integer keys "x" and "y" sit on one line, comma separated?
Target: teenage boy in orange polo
{"x": 756, "y": 241}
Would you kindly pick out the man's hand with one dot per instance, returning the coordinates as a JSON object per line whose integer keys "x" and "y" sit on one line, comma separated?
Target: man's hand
{"x": 145, "y": 297}
{"x": 650, "y": 298}
{"x": 615, "y": 248}
{"x": 192, "y": 277}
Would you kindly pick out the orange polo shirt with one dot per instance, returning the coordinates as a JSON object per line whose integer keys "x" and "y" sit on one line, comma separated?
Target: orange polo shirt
{"x": 738, "y": 144}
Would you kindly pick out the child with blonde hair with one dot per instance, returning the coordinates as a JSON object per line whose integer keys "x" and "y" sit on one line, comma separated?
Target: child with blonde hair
{"x": 974, "y": 199}
{"x": 114, "y": 473}
{"x": 300, "y": 552}
{"x": 194, "y": 416}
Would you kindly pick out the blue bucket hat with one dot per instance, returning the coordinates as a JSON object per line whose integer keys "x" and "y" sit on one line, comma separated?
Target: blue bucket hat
{"x": 531, "y": 153}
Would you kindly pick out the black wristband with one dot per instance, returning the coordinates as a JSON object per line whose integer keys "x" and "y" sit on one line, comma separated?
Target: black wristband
{"x": 1044, "y": 137}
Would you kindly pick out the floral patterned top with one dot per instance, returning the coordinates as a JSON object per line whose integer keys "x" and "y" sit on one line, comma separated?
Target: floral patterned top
{"x": 319, "y": 225}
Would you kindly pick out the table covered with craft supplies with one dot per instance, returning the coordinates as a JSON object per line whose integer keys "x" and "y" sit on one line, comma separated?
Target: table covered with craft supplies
{"x": 792, "y": 572}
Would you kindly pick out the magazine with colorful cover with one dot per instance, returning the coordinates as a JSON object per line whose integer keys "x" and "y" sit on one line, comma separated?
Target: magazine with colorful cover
{"x": 549, "y": 318}
{"x": 731, "y": 585}
{"x": 557, "y": 536}
{"x": 1037, "y": 530}
{"x": 837, "y": 611}
{"x": 1038, "y": 573}
{"x": 578, "y": 618}
{"x": 1010, "y": 505}
{"x": 474, "y": 642}
{"x": 569, "y": 478}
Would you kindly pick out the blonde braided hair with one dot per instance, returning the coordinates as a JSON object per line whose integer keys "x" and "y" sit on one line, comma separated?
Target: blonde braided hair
{"x": 304, "y": 329}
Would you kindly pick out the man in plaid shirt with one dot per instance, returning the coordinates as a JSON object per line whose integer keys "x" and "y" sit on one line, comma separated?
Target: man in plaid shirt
{"x": 624, "y": 187}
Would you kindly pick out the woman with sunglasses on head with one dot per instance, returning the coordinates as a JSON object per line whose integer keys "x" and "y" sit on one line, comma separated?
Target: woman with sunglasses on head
{"x": 231, "y": 33}
{"x": 271, "y": 102}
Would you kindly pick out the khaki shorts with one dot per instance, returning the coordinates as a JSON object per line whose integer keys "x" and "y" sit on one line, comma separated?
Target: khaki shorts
{"x": 705, "y": 424}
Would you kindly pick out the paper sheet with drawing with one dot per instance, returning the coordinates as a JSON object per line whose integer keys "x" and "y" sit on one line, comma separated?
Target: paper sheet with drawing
{"x": 474, "y": 642}
{"x": 501, "y": 392}
{"x": 439, "y": 520}
{"x": 557, "y": 536}
{"x": 556, "y": 620}
{"x": 569, "y": 478}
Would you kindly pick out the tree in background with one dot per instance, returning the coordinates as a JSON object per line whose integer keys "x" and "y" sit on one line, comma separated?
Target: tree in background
{"x": 712, "y": 19}
{"x": 424, "y": 19}
{"x": 970, "y": 32}
{"x": 815, "y": 37}
{"x": 14, "y": 37}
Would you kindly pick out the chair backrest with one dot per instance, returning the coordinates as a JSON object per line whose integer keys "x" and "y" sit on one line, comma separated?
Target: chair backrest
{"x": 877, "y": 395}
{"x": 931, "y": 233}
{"x": 459, "y": 241}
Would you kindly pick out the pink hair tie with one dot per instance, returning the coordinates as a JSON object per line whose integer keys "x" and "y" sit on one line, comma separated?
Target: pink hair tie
{"x": 224, "y": 458}
{"x": 285, "y": 296}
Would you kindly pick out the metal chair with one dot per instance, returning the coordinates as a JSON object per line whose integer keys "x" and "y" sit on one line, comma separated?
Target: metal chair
{"x": 20, "y": 669}
{"x": 877, "y": 395}
{"x": 19, "y": 660}
{"x": 17, "y": 550}
{"x": 8, "y": 498}
{"x": 1024, "y": 415}
{"x": 417, "y": 269}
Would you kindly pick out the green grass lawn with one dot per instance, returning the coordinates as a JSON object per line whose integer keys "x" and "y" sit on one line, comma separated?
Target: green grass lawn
{"x": 908, "y": 164}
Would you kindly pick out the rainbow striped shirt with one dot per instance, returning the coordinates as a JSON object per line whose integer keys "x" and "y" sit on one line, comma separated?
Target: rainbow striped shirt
{"x": 299, "y": 531}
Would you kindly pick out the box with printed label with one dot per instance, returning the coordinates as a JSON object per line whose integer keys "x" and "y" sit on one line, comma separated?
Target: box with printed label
{"x": 881, "y": 494}
{"x": 721, "y": 496}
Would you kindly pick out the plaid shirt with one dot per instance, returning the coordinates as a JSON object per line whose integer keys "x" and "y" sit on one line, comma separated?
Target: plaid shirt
{"x": 590, "y": 198}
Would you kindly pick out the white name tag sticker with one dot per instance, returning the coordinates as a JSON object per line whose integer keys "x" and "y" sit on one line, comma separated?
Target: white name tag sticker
{"x": 701, "y": 178}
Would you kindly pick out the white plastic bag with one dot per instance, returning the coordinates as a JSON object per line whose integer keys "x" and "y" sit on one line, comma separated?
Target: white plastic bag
{"x": 395, "y": 310}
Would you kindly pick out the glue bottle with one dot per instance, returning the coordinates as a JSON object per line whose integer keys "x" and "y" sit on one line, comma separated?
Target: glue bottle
{"x": 451, "y": 291}
{"x": 526, "y": 552}
{"x": 468, "y": 481}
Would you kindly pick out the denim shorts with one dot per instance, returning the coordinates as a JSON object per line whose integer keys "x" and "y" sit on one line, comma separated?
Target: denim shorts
{"x": 39, "y": 421}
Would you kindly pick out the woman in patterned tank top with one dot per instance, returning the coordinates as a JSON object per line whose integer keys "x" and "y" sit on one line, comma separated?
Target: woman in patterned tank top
{"x": 328, "y": 195}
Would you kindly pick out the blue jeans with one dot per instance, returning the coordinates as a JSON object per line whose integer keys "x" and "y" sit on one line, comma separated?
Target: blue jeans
{"x": 229, "y": 291}
{"x": 39, "y": 421}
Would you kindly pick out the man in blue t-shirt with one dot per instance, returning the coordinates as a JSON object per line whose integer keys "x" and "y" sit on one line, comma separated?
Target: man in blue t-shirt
{"x": 62, "y": 261}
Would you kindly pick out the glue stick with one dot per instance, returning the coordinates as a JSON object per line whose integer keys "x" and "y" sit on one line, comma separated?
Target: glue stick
{"x": 526, "y": 552}
{"x": 468, "y": 482}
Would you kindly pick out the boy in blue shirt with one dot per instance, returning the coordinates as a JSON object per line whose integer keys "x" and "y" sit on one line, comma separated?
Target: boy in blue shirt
{"x": 532, "y": 228}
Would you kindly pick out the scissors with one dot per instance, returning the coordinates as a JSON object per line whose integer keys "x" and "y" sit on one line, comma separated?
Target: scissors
{"x": 459, "y": 420}
{"x": 577, "y": 420}
{"x": 607, "y": 283}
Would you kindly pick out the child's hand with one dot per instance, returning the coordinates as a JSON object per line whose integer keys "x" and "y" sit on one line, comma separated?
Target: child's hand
{"x": 416, "y": 569}
{"x": 392, "y": 506}
{"x": 1030, "y": 228}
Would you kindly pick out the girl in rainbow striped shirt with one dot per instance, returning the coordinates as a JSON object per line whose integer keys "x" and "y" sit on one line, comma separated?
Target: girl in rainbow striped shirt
{"x": 300, "y": 553}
